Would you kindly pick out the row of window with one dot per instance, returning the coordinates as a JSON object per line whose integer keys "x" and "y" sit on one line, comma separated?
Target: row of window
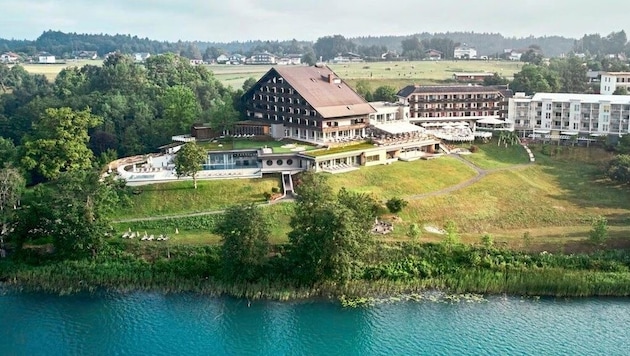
{"x": 279, "y": 162}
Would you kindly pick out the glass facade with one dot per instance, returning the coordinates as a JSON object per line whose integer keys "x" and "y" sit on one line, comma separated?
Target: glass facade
{"x": 231, "y": 160}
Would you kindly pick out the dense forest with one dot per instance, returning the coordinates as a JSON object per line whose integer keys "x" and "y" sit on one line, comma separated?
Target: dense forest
{"x": 490, "y": 44}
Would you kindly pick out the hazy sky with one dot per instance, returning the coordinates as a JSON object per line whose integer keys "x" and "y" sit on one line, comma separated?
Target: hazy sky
{"x": 227, "y": 20}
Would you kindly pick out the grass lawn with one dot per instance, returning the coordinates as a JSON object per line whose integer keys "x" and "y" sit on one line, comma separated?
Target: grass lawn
{"x": 491, "y": 156}
{"x": 278, "y": 214}
{"x": 340, "y": 149}
{"x": 240, "y": 144}
{"x": 50, "y": 71}
{"x": 180, "y": 197}
{"x": 553, "y": 200}
{"x": 401, "y": 179}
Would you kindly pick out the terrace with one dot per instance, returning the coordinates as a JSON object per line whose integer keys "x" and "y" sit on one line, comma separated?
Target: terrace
{"x": 283, "y": 146}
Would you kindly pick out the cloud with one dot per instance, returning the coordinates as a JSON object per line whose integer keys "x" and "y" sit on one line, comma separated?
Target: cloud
{"x": 212, "y": 20}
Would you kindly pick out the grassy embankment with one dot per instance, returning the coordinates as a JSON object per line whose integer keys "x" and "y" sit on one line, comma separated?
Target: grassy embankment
{"x": 553, "y": 200}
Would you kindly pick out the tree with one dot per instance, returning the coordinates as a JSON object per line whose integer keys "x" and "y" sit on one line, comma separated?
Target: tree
{"x": 72, "y": 211}
{"x": 414, "y": 231}
{"x": 623, "y": 145}
{"x": 535, "y": 79}
{"x": 211, "y": 54}
{"x": 309, "y": 57}
{"x": 248, "y": 84}
{"x": 363, "y": 89}
{"x": 8, "y": 152}
{"x": 245, "y": 234}
{"x": 619, "y": 169}
{"x": 59, "y": 142}
{"x": 396, "y": 205}
{"x": 620, "y": 91}
{"x": 330, "y": 235}
{"x": 189, "y": 160}
{"x": 599, "y": 230}
{"x": 330, "y": 46}
{"x": 385, "y": 93}
{"x": 412, "y": 48}
{"x": 572, "y": 74}
{"x": 222, "y": 115}
{"x": 496, "y": 79}
{"x": 532, "y": 56}
{"x": 11, "y": 188}
{"x": 451, "y": 236}
{"x": 181, "y": 110}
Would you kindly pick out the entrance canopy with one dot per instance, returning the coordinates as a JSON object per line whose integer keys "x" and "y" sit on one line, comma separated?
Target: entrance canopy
{"x": 398, "y": 128}
{"x": 490, "y": 121}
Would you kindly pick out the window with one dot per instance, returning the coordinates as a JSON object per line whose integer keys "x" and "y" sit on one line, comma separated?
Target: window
{"x": 269, "y": 162}
{"x": 548, "y": 106}
{"x": 289, "y": 161}
{"x": 548, "y": 115}
{"x": 279, "y": 162}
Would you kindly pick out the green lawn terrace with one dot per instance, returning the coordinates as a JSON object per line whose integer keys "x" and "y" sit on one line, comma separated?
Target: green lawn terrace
{"x": 254, "y": 143}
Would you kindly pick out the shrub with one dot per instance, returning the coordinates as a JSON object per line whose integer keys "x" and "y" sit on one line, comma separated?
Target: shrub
{"x": 487, "y": 241}
{"x": 275, "y": 190}
{"x": 267, "y": 195}
{"x": 474, "y": 148}
{"x": 599, "y": 231}
{"x": 414, "y": 231}
{"x": 396, "y": 205}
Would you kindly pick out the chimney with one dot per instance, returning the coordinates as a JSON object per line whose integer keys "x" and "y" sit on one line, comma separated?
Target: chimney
{"x": 330, "y": 78}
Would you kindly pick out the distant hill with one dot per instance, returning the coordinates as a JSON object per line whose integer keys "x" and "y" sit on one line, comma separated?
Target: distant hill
{"x": 63, "y": 44}
{"x": 487, "y": 44}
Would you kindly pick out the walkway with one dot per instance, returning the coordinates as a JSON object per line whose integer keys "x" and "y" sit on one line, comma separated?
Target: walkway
{"x": 480, "y": 174}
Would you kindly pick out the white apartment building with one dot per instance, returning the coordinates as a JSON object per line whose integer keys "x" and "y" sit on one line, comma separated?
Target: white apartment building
{"x": 612, "y": 80}
{"x": 563, "y": 114}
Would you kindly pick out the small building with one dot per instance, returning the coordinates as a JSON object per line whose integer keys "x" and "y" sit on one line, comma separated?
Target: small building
{"x": 46, "y": 58}
{"x": 611, "y": 81}
{"x": 290, "y": 59}
{"x": 223, "y": 59}
{"x": 196, "y": 62}
{"x": 9, "y": 57}
{"x": 471, "y": 77}
{"x": 141, "y": 57}
{"x": 433, "y": 55}
{"x": 465, "y": 52}
{"x": 237, "y": 59}
{"x": 85, "y": 54}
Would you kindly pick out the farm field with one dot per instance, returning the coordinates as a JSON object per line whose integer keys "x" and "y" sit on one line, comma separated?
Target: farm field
{"x": 396, "y": 74}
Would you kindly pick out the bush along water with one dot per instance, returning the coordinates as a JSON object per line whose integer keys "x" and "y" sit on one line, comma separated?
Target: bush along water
{"x": 389, "y": 270}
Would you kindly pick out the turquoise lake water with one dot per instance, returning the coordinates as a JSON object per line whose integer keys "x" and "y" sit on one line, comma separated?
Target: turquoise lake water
{"x": 156, "y": 324}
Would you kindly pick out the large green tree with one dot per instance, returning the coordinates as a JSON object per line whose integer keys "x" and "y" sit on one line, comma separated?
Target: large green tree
{"x": 72, "y": 211}
{"x": 189, "y": 160}
{"x": 181, "y": 110}
{"x": 385, "y": 93}
{"x": 11, "y": 188}
{"x": 535, "y": 79}
{"x": 330, "y": 234}
{"x": 59, "y": 142}
{"x": 244, "y": 230}
{"x": 619, "y": 169}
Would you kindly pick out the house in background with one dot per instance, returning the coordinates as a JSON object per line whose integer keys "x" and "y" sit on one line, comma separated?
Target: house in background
{"x": 470, "y": 77}
{"x": 433, "y": 54}
{"x": 237, "y": 59}
{"x": 290, "y": 59}
{"x": 465, "y": 52}
{"x": 196, "y": 62}
{"x": 262, "y": 58}
{"x": 85, "y": 54}
{"x": 223, "y": 59}
{"x": 141, "y": 57}
{"x": 9, "y": 57}
{"x": 347, "y": 57}
{"x": 610, "y": 81}
{"x": 46, "y": 58}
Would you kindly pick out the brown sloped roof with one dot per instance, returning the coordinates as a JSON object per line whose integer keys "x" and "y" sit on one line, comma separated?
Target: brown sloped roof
{"x": 335, "y": 99}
